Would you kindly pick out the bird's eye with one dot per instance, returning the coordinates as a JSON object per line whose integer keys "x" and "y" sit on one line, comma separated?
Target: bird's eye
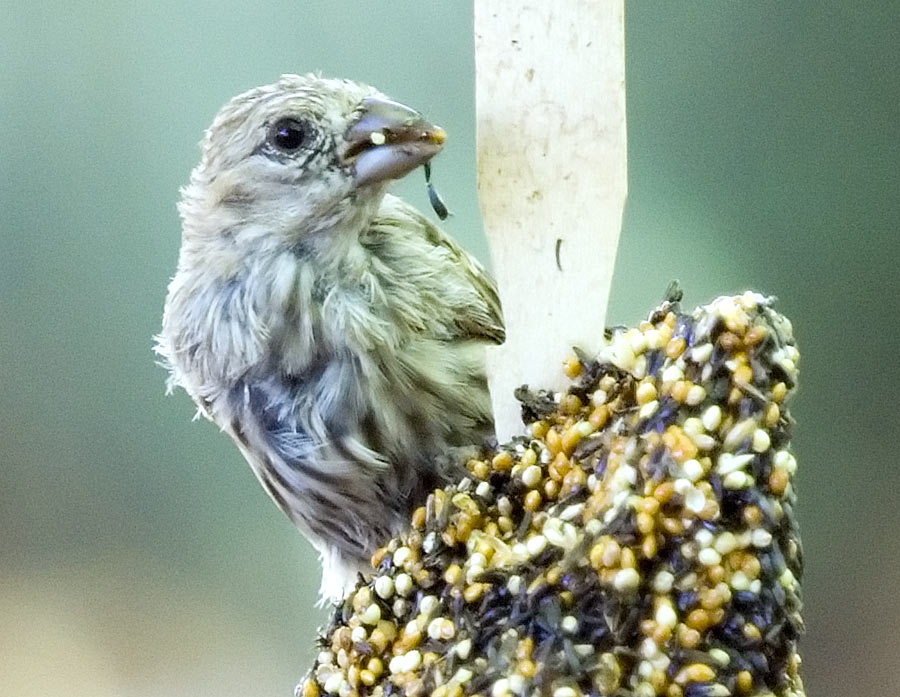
{"x": 288, "y": 135}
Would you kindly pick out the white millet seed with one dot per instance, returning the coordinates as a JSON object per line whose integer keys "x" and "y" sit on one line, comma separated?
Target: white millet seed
{"x": 384, "y": 587}
{"x": 403, "y": 584}
{"x": 712, "y": 417}
{"x": 626, "y": 579}
{"x": 531, "y": 477}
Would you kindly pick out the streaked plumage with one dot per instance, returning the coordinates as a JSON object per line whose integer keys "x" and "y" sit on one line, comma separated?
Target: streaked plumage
{"x": 330, "y": 329}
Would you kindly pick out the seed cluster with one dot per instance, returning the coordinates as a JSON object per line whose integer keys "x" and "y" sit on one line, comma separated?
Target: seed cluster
{"x": 640, "y": 540}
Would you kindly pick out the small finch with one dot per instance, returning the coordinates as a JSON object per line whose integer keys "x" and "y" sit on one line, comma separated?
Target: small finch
{"x": 328, "y": 327}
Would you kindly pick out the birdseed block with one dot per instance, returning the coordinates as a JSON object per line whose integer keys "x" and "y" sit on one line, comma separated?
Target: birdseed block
{"x": 640, "y": 539}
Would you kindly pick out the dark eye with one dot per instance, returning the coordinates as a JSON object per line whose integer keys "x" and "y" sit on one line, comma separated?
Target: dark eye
{"x": 288, "y": 135}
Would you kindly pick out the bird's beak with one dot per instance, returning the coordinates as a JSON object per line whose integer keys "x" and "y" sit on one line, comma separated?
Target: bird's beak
{"x": 388, "y": 141}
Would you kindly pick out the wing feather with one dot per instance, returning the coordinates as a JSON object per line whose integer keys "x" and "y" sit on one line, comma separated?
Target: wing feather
{"x": 405, "y": 236}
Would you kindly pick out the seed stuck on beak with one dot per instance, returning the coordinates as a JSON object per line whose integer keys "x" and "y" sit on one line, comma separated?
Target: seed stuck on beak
{"x": 388, "y": 141}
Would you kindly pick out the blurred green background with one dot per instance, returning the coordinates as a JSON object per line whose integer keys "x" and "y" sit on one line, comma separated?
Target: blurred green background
{"x": 138, "y": 556}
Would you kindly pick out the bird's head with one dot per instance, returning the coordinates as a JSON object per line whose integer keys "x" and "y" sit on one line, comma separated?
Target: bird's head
{"x": 306, "y": 155}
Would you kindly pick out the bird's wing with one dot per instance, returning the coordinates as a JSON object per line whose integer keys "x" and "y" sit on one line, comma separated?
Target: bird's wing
{"x": 464, "y": 287}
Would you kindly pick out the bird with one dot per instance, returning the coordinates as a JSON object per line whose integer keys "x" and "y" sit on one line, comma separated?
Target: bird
{"x": 329, "y": 328}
